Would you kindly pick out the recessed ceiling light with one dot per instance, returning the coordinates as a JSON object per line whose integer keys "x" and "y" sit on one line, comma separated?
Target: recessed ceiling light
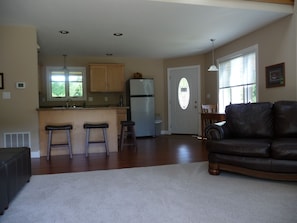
{"x": 118, "y": 34}
{"x": 64, "y": 32}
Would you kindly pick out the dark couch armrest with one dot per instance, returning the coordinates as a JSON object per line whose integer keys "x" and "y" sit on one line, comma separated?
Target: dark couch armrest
{"x": 217, "y": 131}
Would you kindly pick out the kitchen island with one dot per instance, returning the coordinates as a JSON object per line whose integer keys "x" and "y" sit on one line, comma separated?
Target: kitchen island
{"x": 77, "y": 116}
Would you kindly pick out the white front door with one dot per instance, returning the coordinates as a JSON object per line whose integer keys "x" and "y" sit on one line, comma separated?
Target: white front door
{"x": 184, "y": 100}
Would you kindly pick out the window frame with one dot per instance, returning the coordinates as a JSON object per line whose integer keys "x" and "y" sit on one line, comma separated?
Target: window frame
{"x": 248, "y": 50}
{"x": 50, "y": 69}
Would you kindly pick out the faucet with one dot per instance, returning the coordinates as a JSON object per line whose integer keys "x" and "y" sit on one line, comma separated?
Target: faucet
{"x": 68, "y": 103}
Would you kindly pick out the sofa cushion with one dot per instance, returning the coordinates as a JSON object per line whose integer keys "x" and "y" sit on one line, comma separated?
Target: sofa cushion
{"x": 251, "y": 120}
{"x": 240, "y": 147}
{"x": 284, "y": 149}
{"x": 285, "y": 115}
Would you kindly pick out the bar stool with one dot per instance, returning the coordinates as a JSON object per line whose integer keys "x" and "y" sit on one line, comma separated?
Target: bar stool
{"x": 50, "y": 144}
{"x": 102, "y": 126}
{"x": 127, "y": 128}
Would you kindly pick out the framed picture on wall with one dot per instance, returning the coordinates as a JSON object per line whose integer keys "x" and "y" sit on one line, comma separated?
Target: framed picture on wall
{"x": 275, "y": 75}
{"x": 1, "y": 81}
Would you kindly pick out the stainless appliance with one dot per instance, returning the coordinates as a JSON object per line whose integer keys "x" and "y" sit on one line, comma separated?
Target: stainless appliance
{"x": 141, "y": 104}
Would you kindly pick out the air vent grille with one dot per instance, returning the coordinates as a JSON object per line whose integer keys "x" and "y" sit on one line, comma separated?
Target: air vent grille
{"x": 17, "y": 139}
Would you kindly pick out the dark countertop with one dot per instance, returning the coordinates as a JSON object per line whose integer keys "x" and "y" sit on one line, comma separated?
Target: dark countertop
{"x": 81, "y": 108}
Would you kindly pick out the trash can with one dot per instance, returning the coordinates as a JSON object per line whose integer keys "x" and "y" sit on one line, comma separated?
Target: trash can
{"x": 158, "y": 123}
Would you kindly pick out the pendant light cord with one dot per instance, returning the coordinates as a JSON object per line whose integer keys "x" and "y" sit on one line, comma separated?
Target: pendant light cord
{"x": 64, "y": 55}
{"x": 212, "y": 40}
{"x": 213, "y": 67}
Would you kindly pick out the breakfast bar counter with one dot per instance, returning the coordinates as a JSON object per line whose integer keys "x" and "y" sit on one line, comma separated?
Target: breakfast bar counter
{"x": 77, "y": 116}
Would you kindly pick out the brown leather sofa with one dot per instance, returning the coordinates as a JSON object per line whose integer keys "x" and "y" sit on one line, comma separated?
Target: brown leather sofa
{"x": 15, "y": 172}
{"x": 257, "y": 139}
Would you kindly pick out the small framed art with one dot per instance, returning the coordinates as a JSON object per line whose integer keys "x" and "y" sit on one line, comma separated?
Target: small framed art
{"x": 275, "y": 75}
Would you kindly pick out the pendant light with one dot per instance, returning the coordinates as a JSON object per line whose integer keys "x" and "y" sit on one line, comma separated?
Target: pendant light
{"x": 213, "y": 67}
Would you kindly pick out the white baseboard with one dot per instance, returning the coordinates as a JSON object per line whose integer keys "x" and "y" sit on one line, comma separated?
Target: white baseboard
{"x": 165, "y": 132}
{"x": 35, "y": 154}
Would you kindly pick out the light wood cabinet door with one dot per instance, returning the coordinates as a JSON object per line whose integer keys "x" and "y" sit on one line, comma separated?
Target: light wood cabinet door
{"x": 115, "y": 78}
{"x": 98, "y": 79}
{"x": 106, "y": 77}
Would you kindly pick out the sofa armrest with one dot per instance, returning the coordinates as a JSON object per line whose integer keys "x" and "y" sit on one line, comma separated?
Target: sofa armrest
{"x": 217, "y": 131}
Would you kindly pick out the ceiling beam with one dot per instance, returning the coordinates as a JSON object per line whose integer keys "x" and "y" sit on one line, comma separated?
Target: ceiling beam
{"x": 265, "y": 5}
{"x": 287, "y": 2}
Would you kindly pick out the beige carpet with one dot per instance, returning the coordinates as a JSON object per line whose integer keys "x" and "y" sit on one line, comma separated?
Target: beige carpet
{"x": 183, "y": 193}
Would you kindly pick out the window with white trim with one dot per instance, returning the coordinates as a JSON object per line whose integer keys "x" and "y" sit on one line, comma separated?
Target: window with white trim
{"x": 238, "y": 78}
{"x": 66, "y": 84}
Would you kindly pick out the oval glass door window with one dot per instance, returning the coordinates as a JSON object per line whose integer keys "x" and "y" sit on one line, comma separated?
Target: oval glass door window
{"x": 183, "y": 93}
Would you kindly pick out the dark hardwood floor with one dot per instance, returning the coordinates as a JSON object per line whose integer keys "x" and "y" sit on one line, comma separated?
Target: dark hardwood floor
{"x": 162, "y": 150}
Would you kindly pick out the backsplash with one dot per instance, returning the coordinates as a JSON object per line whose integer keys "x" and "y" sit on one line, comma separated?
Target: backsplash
{"x": 93, "y": 99}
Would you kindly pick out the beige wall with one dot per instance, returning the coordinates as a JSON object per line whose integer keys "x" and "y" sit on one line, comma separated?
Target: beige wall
{"x": 18, "y": 62}
{"x": 276, "y": 44}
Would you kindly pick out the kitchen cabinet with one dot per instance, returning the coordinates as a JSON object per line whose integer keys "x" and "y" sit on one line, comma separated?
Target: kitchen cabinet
{"x": 107, "y": 77}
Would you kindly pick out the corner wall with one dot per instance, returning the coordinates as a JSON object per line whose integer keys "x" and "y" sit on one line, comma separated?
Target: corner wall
{"x": 18, "y": 62}
{"x": 276, "y": 44}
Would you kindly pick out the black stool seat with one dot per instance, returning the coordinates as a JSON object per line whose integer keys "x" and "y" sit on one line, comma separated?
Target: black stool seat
{"x": 95, "y": 126}
{"x": 127, "y": 129}
{"x": 127, "y": 123}
{"x": 88, "y": 127}
{"x": 50, "y": 144}
{"x": 58, "y": 127}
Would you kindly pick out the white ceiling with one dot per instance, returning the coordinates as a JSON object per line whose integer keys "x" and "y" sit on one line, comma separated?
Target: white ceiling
{"x": 152, "y": 29}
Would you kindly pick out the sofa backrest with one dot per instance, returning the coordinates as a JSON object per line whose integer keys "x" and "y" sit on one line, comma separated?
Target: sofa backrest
{"x": 251, "y": 120}
{"x": 285, "y": 118}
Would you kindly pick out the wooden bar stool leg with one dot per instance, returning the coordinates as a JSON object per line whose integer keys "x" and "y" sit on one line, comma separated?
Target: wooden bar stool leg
{"x": 69, "y": 143}
{"x": 49, "y": 143}
{"x": 106, "y": 142}
{"x": 134, "y": 137}
{"x": 87, "y": 142}
{"x": 122, "y": 137}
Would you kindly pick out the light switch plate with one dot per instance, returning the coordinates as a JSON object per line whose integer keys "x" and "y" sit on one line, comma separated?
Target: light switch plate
{"x": 20, "y": 85}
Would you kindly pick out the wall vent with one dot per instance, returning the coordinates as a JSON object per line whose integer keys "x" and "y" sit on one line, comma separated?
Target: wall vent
{"x": 17, "y": 139}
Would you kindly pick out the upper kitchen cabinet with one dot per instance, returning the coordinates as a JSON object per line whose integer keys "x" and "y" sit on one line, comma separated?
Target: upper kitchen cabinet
{"x": 107, "y": 77}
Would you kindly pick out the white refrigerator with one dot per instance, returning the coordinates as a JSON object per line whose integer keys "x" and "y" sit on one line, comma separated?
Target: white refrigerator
{"x": 141, "y": 102}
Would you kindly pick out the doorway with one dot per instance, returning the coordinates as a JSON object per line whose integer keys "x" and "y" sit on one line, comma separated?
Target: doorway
{"x": 184, "y": 100}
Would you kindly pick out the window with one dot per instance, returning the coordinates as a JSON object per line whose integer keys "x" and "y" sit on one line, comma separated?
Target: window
{"x": 238, "y": 78}
{"x": 66, "y": 84}
{"x": 183, "y": 93}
